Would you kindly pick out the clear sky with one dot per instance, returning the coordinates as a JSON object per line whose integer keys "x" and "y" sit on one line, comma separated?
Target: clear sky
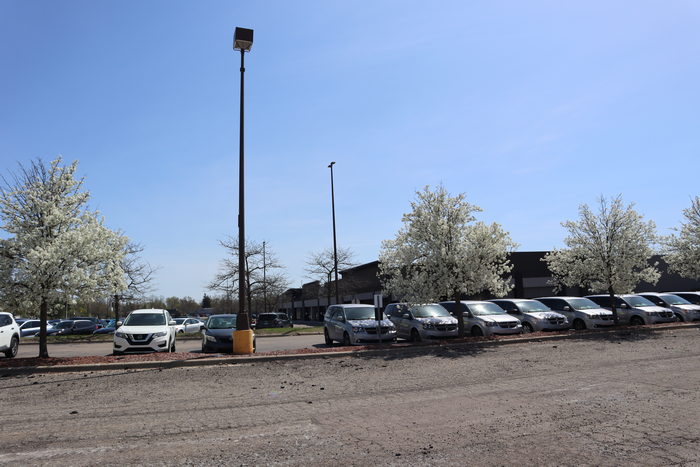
{"x": 530, "y": 108}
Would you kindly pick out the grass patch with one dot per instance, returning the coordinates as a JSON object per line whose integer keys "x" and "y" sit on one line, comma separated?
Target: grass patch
{"x": 289, "y": 331}
{"x": 72, "y": 338}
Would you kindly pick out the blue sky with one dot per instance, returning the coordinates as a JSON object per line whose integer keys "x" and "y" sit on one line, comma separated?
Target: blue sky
{"x": 530, "y": 108}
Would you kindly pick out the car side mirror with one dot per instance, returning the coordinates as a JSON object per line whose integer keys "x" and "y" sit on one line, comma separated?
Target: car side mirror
{"x": 172, "y": 322}
{"x": 341, "y": 319}
{"x": 624, "y": 305}
{"x": 406, "y": 316}
{"x": 566, "y": 308}
{"x": 119, "y": 323}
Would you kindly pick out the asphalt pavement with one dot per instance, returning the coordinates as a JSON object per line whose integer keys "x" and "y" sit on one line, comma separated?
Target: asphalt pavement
{"x": 624, "y": 398}
{"x": 264, "y": 344}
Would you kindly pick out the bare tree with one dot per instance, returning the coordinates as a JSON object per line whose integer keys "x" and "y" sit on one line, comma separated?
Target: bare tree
{"x": 320, "y": 266}
{"x": 262, "y": 275}
{"x": 138, "y": 275}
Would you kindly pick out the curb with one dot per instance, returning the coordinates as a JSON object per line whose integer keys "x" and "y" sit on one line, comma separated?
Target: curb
{"x": 320, "y": 355}
{"x": 180, "y": 339}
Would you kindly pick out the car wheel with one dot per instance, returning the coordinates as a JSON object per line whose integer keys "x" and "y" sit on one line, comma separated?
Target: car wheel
{"x": 579, "y": 324}
{"x": 181, "y": 331}
{"x": 172, "y": 347}
{"x": 527, "y": 327}
{"x": 477, "y": 331}
{"x": 291, "y": 325}
{"x": 346, "y": 339}
{"x": 636, "y": 321}
{"x": 117, "y": 353}
{"x": 327, "y": 338}
{"x": 255, "y": 346}
{"x": 14, "y": 347}
{"x": 415, "y": 335}
{"x": 679, "y": 317}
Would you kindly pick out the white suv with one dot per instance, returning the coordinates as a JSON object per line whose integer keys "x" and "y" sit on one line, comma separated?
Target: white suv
{"x": 352, "y": 324}
{"x": 145, "y": 330}
{"x": 9, "y": 335}
{"x": 635, "y": 310}
{"x": 485, "y": 318}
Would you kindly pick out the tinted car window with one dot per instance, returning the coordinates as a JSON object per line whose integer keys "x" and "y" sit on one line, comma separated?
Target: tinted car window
{"x": 5, "y": 320}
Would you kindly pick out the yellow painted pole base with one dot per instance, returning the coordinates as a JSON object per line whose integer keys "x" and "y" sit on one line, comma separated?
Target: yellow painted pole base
{"x": 243, "y": 342}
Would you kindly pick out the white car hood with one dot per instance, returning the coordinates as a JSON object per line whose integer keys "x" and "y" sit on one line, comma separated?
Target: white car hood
{"x": 369, "y": 323}
{"x": 596, "y": 311}
{"x": 653, "y": 308}
{"x": 545, "y": 314}
{"x": 504, "y": 318}
{"x": 440, "y": 320}
{"x": 142, "y": 329}
{"x": 688, "y": 307}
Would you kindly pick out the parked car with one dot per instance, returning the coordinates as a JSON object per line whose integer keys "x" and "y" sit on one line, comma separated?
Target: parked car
{"x": 418, "y": 322}
{"x": 109, "y": 327}
{"x": 217, "y": 334}
{"x": 635, "y": 310}
{"x": 71, "y": 327}
{"x": 682, "y": 308}
{"x": 692, "y": 297}
{"x": 352, "y": 324}
{"x": 273, "y": 320}
{"x": 9, "y": 335}
{"x": 97, "y": 321}
{"x": 581, "y": 313}
{"x": 145, "y": 330}
{"x": 183, "y": 325}
{"x": 31, "y": 327}
{"x": 485, "y": 318}
{"x": 534, "y": 315}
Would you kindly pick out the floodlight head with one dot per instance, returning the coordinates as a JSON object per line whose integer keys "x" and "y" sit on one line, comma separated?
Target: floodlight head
{"x": 330, "y": 166}
{"x": 243, "y": 39}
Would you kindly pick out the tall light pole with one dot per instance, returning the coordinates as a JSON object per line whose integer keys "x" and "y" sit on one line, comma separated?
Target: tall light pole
{"x": 243, "y": 336}
{"x": 335, "y": 246}
{"x": 264, "y": 280}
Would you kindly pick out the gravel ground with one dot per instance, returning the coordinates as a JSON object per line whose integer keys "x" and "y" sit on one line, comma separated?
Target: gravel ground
{"x": 626, "y": 398}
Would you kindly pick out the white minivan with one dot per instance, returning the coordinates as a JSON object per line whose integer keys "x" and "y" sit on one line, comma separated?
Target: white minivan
{"x": 582, "y": 313}
{"x": 485, "y": 318}
{"x": 635, "y": 310}
{"x": 682, "y": 308}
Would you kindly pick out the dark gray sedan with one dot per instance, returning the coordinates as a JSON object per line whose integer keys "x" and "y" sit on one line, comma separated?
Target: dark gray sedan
{"x": 217, "y": 334}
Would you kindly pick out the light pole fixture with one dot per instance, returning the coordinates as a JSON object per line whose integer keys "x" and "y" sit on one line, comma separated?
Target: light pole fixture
{"x": 243, "y": 335}
{"x": 335, "y": 245}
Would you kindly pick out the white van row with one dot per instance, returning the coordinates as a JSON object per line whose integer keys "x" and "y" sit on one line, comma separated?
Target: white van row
{"x": 513, "y": 316}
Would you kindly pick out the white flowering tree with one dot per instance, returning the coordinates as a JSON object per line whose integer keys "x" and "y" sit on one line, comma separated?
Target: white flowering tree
{"x": 607, "y": 251}
{"x": 56, "y": 247}
{"x": 683, "y": 248}
{"x": 441, "y": 251}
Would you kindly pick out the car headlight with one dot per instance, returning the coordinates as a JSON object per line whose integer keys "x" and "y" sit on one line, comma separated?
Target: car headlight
{"x": 160, "y": 334}
{"x": 210, "y": 338}
{"x": 491, "y": 323}
{"x": 357, "y": 329}
{"x": 428, "y": 326}
{"x": 120, "y": 334}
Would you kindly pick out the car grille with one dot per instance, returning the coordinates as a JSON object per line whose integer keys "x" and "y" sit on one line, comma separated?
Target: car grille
{"x": 508, "y": 324}
{"x": 606, "y": 317}
{"x": 556, "y": 320}
{"x": 139, "y": 337}
{"x": 223, "y": 339}
{"x": 445, "y": 327}
{"x": 666, "y": 314}
{"x": 384, "y": 330}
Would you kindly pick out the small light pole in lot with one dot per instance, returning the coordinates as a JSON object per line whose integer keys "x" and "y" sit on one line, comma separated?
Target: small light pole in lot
{"x": 243, "y": 335}
{"x": 335, "y": 245}
{"x": 264, "y": 281}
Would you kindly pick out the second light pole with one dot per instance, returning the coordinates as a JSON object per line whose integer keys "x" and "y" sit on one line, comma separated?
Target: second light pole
{"x": 335, "y": 245}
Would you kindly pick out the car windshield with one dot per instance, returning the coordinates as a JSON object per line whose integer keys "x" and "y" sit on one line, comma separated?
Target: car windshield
{"x": 482, "y": 309}
{"x": 429, "y": 311}
{"x": 583, "y": 304}
{"x": 267, "y": 317}
{"x": 674, "y": 299}
{"x": 533, "y": 307}
{"x": 222, "y": 322}
{"x": 145, "y": 319}
{"x": 364, "y": 312}
{"x": 637, "y": 301}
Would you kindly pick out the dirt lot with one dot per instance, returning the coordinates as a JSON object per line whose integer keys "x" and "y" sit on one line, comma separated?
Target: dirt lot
{"x": 627, "y": 398}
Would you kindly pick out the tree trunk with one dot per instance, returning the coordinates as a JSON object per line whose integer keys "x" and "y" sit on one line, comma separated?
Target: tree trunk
{"x": 116, "y": 310}
{"x": 460, "y": 314}
{"x": 43, "y": 318}
{"x": 616, "y": 319}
